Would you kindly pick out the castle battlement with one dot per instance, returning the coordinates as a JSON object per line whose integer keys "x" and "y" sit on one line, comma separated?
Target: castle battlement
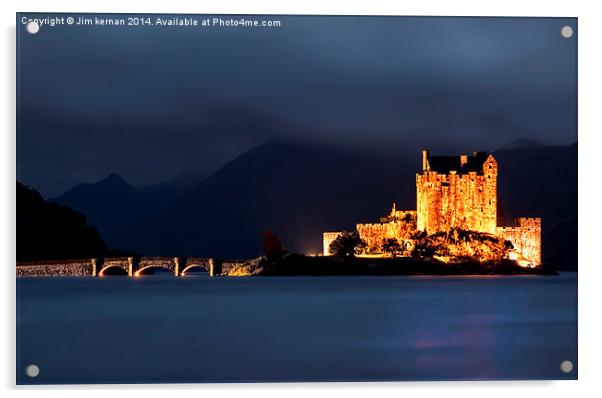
{"x": 371, "y": 225}
{"x": 528, "y": 222}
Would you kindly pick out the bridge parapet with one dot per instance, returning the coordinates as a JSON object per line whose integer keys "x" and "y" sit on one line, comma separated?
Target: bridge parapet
{"x": 80, "y": 267}
{"x": 132, "y": 266}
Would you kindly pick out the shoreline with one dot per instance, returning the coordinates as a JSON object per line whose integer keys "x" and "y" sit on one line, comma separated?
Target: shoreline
{"x": 299, "y": 265}
{"x": 294, "y": 265}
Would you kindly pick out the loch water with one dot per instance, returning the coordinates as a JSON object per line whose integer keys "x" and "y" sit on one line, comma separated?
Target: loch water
{"x": 259, "y": 329}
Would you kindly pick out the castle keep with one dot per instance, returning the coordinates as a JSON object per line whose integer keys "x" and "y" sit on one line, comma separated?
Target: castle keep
{"x": 457, "y": 192}
{"x": 453, "y": 192}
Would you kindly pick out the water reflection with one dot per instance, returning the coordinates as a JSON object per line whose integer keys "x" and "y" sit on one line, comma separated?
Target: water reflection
{"x": 98, "y": 330}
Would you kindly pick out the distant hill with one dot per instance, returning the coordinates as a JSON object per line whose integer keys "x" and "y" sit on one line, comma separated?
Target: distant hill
{"x": 175, "y": 186}
{"x": 299, "y": 189}
{"x": 296, "y": 190}
{"x": 50, "y": 231}
{"x": 523, "y": 143}
{"x": 117, "y": 208}
{"x": 111, "y": 204}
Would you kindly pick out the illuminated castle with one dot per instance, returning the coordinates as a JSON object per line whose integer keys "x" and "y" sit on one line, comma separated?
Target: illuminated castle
{"x": 453, "y": 192}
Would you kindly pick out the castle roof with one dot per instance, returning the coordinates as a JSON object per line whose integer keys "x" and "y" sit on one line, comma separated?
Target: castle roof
{"x": 445, "y": 164}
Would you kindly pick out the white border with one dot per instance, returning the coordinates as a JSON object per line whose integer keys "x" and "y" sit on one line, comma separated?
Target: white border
{"x": 590, "y": 128}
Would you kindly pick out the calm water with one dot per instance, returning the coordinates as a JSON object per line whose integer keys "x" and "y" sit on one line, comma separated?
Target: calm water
{"x": 198, "y": 329}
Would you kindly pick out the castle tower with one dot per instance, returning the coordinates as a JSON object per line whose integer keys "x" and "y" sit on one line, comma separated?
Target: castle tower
{"x": 457, "y": 192}
{"x": 489, "y": 197}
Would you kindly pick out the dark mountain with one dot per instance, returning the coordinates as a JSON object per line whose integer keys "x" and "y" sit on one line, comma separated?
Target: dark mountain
{"x": 114, "y": 206}
{"x": 298, "y": 190}
{"x": 523, "y": 143}
{"x": 112, "y": 189}
{"x": 175, "y": 186}
{"x": 117, "y": 208}
{"x": 50, "y": 231}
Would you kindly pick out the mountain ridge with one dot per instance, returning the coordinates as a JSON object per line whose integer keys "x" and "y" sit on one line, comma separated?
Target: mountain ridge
{"x": 300, "y": 189}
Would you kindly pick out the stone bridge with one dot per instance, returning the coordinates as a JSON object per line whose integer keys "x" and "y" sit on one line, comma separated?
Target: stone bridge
{"x": 131, "y": 266}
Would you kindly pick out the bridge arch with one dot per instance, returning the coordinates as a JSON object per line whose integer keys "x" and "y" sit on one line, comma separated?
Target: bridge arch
{"x": 193, "y": 266}
{"x": 111, "y": 266}
{"x": 138, "y": 266}
{"x": 171, "y": 264}
{"x": 113, "y": 269}
{"x": 145, "y": 270}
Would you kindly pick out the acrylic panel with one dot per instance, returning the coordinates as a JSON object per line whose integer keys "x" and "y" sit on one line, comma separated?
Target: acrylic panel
{"x": 285, "y": 198}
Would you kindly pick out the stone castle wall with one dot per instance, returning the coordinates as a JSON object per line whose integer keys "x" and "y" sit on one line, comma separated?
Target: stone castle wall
{"x": 327, "y": 239}
{"x": 525, "y": 236}
{"x": 375, "y": 234}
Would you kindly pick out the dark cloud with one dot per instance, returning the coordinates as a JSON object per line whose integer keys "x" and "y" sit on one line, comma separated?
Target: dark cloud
{"x": 151, "y": 103}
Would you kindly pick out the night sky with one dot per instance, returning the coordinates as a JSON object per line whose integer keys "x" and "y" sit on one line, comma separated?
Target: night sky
{"x": 152, "y": 103}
